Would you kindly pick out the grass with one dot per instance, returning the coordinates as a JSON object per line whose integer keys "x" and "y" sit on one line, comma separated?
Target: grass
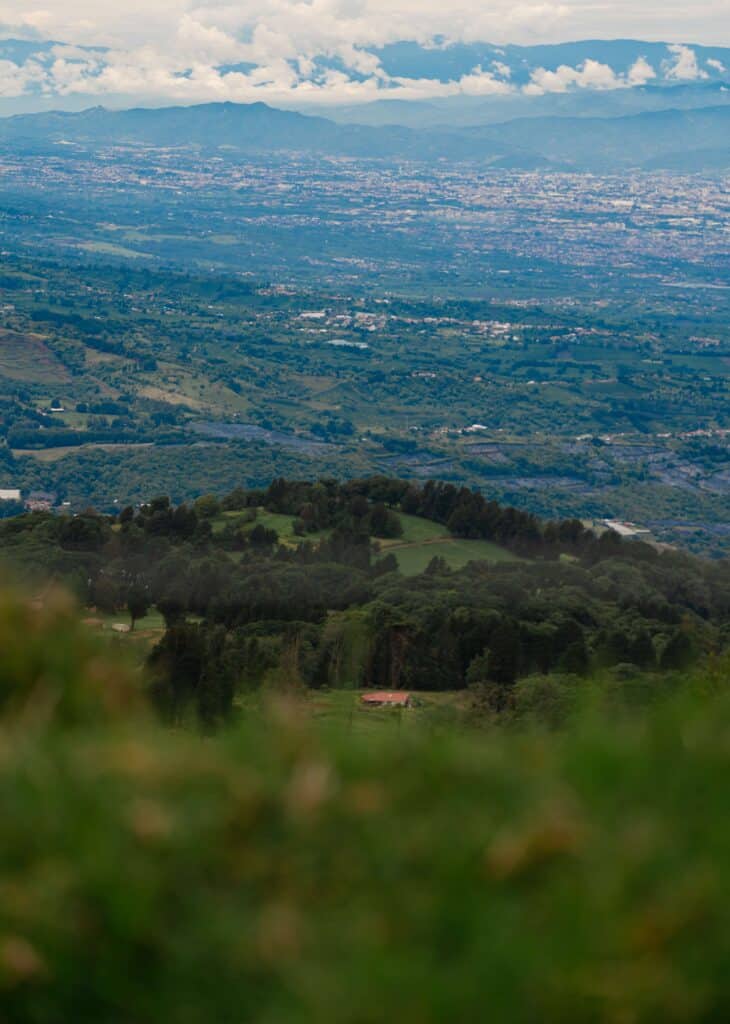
{"x": 418, "y": 531}
{"x": 413, "y": 559}
{"x": 57, "y": 454}
{"x": 147, "y": 631}
{"x": 343, "y": 709}
{"x": 111, "y": 249}
{"x": 196, "y": 391}
{"x": 26, "y": 357}
{"x": 94, "y": 358}
{"x": 152, "y": 621}
{"x": 284, "y": 525}
{"x": 424, "y": 540}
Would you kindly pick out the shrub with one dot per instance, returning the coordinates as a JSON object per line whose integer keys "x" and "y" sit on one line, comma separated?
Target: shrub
{"x": 284, "y": 872}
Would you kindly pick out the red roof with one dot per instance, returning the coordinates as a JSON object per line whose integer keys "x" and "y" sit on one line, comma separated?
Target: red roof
{"x": 398, "y": 699}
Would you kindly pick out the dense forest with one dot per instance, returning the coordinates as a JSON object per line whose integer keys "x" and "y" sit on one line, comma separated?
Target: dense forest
{"x": 326, "y": 607}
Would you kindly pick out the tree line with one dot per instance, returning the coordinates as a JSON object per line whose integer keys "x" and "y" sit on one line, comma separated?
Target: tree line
{"x": 328, "y": 607}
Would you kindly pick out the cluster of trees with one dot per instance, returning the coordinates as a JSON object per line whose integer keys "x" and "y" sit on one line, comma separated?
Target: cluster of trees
{"x": 23, "y": 426}
{"x": 243, "y": 609}
{"x": 360, "y": 508}
{"x": 32, "y": 436}
{"x": 465, "y": 512}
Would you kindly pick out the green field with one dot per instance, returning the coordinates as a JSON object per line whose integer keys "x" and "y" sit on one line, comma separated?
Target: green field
{"x": 418, "y": 531}
{"x": 343, "y": 709}
{"x": 414, "y": 559}
{"x": 111, "y": 249}
{"x": 57, "y": 454}
{"x": 138, "y": 643}
{"x": 152, "y": 621}
{"x": 284, "y": 525}
{"x": 26, "y": 357}
{"x": 424, "y": 540}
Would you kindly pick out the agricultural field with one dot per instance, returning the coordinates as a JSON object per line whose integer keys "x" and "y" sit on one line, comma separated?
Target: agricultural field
{"x": 456, "y": 552}
{"x": 26, "y": 358}
{"x": 617, "y": 411}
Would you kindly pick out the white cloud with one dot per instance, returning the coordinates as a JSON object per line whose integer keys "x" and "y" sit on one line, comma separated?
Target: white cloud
{"x": 176, "y": 48}
{"x": 641, "y": 73}
{"x": 684, "y": 66}
{"x": 207, "y": 44}
{"x": 15, "y": 81}
{"x": 589, "y": 75}
{"x": 483, "y": 83}
{"x": 306, "y": 26}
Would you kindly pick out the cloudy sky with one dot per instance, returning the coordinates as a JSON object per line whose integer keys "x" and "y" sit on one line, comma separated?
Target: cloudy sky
{"x": 154, "y": 42}
{"x": 293, "y": 25}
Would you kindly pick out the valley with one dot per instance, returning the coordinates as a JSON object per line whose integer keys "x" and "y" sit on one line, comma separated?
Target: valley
{"x": 539, "y": 391}
{"x": 364, "y": 512}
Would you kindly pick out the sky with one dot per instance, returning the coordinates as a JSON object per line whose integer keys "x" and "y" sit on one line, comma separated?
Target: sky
{"x": 153, "y": 42}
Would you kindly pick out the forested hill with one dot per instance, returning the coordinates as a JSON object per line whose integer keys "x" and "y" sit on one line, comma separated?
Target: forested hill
{"x": 377, "y": 583}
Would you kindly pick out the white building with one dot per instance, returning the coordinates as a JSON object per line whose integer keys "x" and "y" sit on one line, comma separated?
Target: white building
{"x": 629, "y": 531}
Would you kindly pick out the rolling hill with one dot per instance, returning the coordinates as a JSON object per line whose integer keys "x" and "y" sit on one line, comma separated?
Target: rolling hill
{"x": 576, "y": 143}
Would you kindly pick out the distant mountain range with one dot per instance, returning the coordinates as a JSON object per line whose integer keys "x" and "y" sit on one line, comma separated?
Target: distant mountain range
{"x": 450, "y": 62}
{"x": 687, "y": 140}
{"x": 415, "y": 84}
{"x": 465, "y": 111}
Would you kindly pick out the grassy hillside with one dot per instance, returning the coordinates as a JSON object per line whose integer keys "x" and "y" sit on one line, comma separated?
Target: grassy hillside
{"x": 284, "y": 525}
{"x": 421, "y": 542}
{"x": 424, "y": 540}
{"x": 26, "y": 357}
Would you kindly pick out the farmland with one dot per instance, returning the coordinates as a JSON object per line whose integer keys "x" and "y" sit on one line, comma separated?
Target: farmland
{"x": 237, "y": 354}
{"x": 26, "y": 358}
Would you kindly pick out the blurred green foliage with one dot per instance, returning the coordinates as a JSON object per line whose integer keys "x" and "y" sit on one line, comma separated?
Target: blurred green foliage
{"x": 51, "y": 669}
{"x": 285, "y": 872}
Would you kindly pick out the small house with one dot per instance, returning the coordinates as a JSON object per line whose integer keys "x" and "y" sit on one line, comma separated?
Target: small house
{"x": 40, "y": 501}
{"x": 387, "y": 700}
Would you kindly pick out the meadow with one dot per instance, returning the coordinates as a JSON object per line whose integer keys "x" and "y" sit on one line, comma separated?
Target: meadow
{"x": 422, "y": 540}
{"x": 25, "y": 357}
